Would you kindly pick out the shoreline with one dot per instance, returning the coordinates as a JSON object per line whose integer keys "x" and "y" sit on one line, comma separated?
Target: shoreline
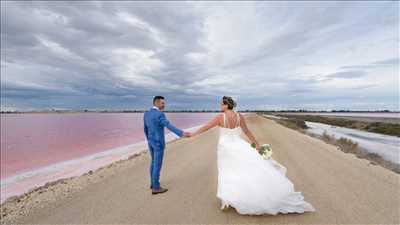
{"x": 360, "y": 152}
{"x": 62, "y": 188}
{"x": 119, "y": 192}
{"x": 199, "y": 111}
{"x": 21, "y": 183}
{"x": 390, "y": 126}
{"x": 135, "y": 149}
{"x": 52, "y": 191}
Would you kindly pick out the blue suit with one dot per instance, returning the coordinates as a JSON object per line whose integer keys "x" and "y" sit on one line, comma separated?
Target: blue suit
{"x": 154, "y": 123}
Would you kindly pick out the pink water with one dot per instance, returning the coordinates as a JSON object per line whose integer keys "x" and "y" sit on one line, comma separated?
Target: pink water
{"x": 31, "y": 141}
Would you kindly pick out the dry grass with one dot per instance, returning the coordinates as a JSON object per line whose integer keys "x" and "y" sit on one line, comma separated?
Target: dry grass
{"x": 344, "y": 144}
{"x": 293, "y": 123}
{"x": 348, "y": 146}
{"x": 375, "y": 127}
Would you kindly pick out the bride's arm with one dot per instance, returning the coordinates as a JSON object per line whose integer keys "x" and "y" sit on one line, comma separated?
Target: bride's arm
{"x": 212, "y": 123}
{"x": 247, "y": 131}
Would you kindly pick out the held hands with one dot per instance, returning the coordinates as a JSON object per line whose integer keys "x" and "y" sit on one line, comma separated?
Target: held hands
{"x": 186, "y": 134}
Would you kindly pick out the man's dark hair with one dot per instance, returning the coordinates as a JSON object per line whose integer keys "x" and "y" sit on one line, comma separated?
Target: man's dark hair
{"x": 157, "y": 97}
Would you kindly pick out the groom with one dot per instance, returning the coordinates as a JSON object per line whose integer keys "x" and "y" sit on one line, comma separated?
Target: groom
{"x": 154, "y": 123}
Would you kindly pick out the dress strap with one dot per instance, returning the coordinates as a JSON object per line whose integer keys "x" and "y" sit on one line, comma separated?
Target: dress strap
{"x": 224, "y": 120}
{"x": 238, "y": 119}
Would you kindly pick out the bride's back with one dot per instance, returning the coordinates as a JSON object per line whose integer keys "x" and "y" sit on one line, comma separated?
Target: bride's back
{"x": 230, "y": 130}
{"x": 231, "y": 121}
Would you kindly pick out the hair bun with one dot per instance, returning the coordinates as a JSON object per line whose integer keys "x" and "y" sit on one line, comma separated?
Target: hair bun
{"x": 229, "y": 101}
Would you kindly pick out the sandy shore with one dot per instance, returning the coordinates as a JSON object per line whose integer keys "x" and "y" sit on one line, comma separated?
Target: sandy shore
{"x": 343, "y": 188}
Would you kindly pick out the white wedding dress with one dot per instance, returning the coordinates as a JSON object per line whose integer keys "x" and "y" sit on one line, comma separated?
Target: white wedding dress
{"x": 251, "y": 184}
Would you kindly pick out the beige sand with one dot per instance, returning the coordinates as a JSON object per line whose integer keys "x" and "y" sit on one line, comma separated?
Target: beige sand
{"x": 343, "y": 188}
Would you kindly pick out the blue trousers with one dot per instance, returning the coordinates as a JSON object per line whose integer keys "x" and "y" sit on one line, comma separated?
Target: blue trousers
{"x": 157, "y": 154}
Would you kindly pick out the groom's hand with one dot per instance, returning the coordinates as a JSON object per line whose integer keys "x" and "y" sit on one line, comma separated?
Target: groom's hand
{"x": 187, "y": 134}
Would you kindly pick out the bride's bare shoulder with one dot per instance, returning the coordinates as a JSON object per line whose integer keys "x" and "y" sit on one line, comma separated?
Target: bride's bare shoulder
{"x": 219, "y": 116}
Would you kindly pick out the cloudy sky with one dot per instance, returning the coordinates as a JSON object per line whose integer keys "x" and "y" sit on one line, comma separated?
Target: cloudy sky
{"x": 267, "y": 55}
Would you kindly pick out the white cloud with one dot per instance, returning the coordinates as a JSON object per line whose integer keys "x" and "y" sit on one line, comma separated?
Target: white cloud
{"x": 133, "y": 65}
{"x": 288, "y": 54}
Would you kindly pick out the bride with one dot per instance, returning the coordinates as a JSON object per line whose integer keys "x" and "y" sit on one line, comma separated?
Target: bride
{"x": 246, "y": 181}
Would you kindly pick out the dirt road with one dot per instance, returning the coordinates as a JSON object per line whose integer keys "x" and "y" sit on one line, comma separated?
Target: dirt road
{"x": 342, "y": 188}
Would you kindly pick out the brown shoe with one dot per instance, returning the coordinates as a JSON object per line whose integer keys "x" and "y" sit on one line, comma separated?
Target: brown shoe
{"x": 159, "y": 190}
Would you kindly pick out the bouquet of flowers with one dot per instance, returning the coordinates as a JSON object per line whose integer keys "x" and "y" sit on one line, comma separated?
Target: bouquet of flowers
{"x": 265, "y": 151}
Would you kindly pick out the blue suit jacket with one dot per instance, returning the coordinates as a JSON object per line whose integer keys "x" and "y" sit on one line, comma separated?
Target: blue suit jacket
{"x": 154, "y": 123}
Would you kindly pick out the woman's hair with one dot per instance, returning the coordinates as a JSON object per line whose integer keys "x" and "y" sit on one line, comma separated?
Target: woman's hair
{"x": 229, "y": 102}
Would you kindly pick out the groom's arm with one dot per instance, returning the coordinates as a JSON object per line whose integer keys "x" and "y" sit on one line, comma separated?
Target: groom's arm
{"x": 165, "y": 123}
{"x": 146, "y": 132}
